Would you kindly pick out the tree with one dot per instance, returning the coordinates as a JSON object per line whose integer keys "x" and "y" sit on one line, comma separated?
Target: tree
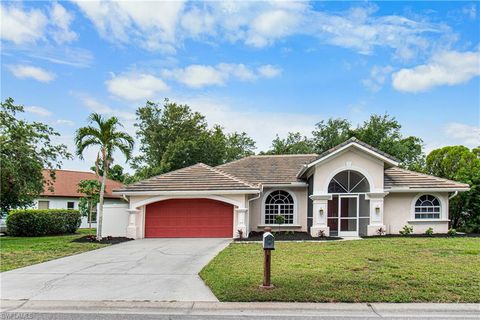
{"x": 460, "y": 164}
{"x": 115, "y": 172}
{"x": 91, "y": 197}
{"x": 104, "y": 134}
{"x": 379, "y": 131}
{"x": 173, "y": 136}
{"x": 26, "y": 149}
{"x": 327, "y": 135}
{"x": 294, "y": 143}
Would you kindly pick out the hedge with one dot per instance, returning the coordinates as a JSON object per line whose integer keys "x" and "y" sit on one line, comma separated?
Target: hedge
{"x": 33, "y": 222}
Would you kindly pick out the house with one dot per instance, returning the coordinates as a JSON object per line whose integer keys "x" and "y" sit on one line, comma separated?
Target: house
{"x": 61, "y": 193}
{"x": 351, "y": 190}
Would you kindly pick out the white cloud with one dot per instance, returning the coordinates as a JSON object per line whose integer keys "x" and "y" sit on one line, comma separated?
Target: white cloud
{"x": 21, "y": 26}
{"x": 269, "y": 71}
{"x": 197, "y": 76}
{"x": 101, "y": 108}
{"x": 28, "y": 26}
{"x": 464, "y": 134}
{"x": 378, "y": 76}
{"x": 136, "y": 86}
{"x": 36, "y": 73}
{"x": 65, "y": 122}
{"x": 166, "y": 25}
{"x": 446, "y": 68}
{"x": 38, "y": 111}
{"x": 61, "y": 19}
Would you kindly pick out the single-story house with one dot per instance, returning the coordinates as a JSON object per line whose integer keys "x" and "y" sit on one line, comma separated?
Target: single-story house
{"x": 350, "y": 190}
{"x": 62, "y": 193}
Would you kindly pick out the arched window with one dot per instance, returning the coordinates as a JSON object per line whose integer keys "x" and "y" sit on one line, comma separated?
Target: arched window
{"x": 427, "y": 207}
{"x": 348, "y": 181}
{"x": 279, "y": 202}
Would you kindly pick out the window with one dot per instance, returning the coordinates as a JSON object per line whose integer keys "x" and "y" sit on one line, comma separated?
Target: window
{"x": 427, "y": 207}
{"x": 279, "y": 202}
{"x": 43, "y": 204}
{"x": 348, "y": 181}
{"x": 70, "y": 205}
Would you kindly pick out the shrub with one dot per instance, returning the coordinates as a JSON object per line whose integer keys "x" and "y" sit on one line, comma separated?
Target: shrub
{"x": 452, "y": 232}
{"x": 32, "y": 222}
{"x": 381, "y": 231}
{"x": 429, "y": 231}
{"x": 279, "y": 219}
{"x": 407, "y": 229}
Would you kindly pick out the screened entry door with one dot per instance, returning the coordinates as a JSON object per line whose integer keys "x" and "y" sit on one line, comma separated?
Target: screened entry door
{"x": 348, "y": 209}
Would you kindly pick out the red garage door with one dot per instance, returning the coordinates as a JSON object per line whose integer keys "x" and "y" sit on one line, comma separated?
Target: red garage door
{"x": 189, "y": 218}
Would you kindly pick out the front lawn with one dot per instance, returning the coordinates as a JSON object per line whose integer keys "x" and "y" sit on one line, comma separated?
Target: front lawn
{"x": 17, "y": 252}
{"x": 370, "y": 270}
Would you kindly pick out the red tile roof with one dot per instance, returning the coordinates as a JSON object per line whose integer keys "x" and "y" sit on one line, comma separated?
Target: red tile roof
{"x": 66, "y": 184}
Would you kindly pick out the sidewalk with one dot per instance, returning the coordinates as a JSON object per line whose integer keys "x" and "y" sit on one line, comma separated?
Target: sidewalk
{"x": 264, "y": 309}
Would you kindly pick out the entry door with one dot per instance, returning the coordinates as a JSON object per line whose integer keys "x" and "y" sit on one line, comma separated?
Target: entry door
{"x": 348, "y": 216}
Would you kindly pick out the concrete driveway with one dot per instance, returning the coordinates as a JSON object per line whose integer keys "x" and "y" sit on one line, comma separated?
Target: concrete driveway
{"x": 147, "y": 269}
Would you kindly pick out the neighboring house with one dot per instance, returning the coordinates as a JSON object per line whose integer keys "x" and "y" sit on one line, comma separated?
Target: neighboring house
{"x": 62, "y": 194}
{"x": 351, "y": 190}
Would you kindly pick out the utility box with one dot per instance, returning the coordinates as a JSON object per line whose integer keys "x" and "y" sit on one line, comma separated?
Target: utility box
{"x": 268, "y": 241}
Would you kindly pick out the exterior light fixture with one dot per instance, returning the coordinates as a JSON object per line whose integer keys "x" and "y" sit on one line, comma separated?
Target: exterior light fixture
{"x": 377, "y": 210}
{"x": 321, "y": 211}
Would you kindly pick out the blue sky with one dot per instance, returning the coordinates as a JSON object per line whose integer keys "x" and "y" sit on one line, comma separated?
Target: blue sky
{"x": 260, "y": 67}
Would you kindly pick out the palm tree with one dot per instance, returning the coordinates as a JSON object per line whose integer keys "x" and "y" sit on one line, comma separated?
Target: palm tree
{"x": 103, "y": 134}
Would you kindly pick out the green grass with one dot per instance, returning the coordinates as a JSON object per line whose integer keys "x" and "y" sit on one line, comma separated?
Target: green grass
{"x": 17, "y": 252}
{"x": 370, "y": 270}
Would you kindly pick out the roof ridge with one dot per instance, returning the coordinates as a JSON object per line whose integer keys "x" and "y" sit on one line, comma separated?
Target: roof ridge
{"x": 427, "y": 175}
{"x": 283, "y": 155}
{"x": 69, "y": 170}
{"x": 232, "y": 177}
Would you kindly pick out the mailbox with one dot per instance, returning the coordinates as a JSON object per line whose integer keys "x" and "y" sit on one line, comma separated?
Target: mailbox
{"x": 268, "y": 241}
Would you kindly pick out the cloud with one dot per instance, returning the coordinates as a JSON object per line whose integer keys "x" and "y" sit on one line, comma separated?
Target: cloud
{"x": 101, "y": 108}
{"x": 136, "y": 86}
{"x": 197, "y": 76}
{"x": 61, "y": 19}
{"x": 38, "y": 111}
{"x": 464, "y": 134}
{"x": 446, "y": 68}
{"x": 36, "y": 73}
{"x": 165, "y": 26}
{"x": 378, "y": 76}
{"x": 65, "y": 122}
{"x": 28, "y": 26}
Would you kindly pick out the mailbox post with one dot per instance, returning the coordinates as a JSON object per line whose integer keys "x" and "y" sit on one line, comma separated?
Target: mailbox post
{"x": 268, "y": 246}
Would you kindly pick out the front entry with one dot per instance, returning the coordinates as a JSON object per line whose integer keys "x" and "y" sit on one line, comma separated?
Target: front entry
{"x": 189, "y": 218}
{"x": 343, "y": 215}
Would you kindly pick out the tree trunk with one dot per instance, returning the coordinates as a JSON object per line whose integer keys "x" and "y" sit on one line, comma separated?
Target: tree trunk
{"x": 102, "y": 192}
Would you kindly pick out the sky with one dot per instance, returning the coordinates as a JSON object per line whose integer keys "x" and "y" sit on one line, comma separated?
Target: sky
{"x": 265, "y": 68}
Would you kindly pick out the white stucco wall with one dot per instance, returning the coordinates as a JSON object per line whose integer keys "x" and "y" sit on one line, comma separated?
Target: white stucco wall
{"x": 399, "y": 211}
{"x": 351, "y": 159}
{"x": 115, "y": 220}
{"x": 256, "y": 209}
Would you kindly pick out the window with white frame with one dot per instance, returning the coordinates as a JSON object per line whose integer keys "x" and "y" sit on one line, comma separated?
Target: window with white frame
{"x": 279, "y": 202}
{"x": 427, "y": 207}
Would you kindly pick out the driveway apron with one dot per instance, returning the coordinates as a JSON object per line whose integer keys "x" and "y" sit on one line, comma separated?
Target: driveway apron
{"x": 140, "y": 270}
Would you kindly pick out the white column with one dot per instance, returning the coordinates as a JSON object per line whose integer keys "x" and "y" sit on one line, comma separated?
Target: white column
{"x": 132, "y": 223}
{"x": 376, "y": 225}
{"x": 241, "y": 213}
{"x": 320, "y": 212}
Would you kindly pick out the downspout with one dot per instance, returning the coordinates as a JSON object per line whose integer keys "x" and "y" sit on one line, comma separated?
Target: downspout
{"x": 453, "y": 195}
{"x": 254, "y": 198}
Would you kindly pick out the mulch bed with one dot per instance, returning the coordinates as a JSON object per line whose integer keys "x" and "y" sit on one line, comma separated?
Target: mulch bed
{"x": 435, "y": 235}
{"x": 286, "y": 236}
{"x": 106, "y": 240}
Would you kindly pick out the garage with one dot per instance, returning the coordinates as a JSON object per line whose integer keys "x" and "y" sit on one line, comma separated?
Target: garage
{"x": 189, "y": 218}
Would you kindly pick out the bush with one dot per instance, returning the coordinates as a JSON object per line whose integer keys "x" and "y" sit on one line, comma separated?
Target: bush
{"x": 429, "y": 232}
{"x": 407, "y": 229}
{"x": 452, "y": 232}
{"x": 279, "y": 219}
{"x": 32, "y": 222}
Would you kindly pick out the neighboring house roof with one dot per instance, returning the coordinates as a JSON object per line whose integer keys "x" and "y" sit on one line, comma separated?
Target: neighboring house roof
{"x": 66, "y": 184}
{"x": 199, "y": 177}
{"x": 401, "y": 179}
{"x": 268, "y": 169}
